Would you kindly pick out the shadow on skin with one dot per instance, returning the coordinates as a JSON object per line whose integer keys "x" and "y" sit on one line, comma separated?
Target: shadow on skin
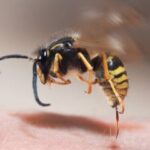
{"x": 92, "y": 127}
{"x": 52, "y": 120}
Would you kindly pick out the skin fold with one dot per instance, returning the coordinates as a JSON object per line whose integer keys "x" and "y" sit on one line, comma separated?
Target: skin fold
{"x": 50, "y": 131}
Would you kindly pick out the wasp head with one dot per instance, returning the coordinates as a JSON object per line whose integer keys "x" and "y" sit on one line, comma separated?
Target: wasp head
{"x": 42, "y": 55}
{"x": 42, "y": 65}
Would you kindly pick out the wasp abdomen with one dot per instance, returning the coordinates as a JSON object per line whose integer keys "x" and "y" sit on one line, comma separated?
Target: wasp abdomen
{"x": 119, "y": 78}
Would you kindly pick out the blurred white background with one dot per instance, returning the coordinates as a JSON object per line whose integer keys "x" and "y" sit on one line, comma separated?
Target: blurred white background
{"x": 26, "y": 25}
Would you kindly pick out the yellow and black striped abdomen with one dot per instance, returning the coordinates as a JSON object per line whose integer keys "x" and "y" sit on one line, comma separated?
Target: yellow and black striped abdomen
{"x": 119, "y": 78}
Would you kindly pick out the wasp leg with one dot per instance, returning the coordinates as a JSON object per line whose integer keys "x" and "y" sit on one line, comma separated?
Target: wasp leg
{"x": 90, "y": 71}
{"x": 57, "y": 60}
{"x": 41, "y": 75}
{"x": 108, "y": 78}
{"x": 51, "y": 80}
{"x": 84, "y": 80}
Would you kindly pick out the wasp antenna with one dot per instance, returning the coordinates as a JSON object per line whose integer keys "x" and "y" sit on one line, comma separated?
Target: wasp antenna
{"x": 34, "y": 83}
{"x": 117, "y": 122}
{"x": 15, "y": 56}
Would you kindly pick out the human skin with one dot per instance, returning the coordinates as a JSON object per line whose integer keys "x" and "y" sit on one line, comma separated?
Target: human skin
{"x": 49, "y": 131}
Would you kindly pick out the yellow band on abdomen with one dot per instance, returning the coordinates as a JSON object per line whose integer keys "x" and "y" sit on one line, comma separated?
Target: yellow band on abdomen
{"x": 120, "y": 79}
{"x": 117, "y": 71}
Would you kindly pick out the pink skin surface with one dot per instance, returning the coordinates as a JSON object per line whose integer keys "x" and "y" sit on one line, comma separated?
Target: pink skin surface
{"x": 49, "y": 131}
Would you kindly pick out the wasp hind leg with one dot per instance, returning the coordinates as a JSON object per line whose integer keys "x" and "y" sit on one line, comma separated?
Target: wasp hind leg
{"x": 109, "y": 79}
{"x": 57, "y": 60}
{"x": 90, "y": 71}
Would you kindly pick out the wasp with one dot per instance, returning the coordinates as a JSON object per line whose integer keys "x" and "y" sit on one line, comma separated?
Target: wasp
{"x": 73, "y": 52}
{"x": 62, "y": 56}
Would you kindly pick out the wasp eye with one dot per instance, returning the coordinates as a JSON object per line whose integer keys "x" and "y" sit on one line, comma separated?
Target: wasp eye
{"x": 42, "y": 54}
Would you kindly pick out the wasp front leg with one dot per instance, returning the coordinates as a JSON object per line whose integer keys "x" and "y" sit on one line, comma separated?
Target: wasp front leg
{"x": 40, "y": 75}
{"x": 90, "y": 73}
{"x": 51, "y": 80}
{"x": 58, "y": 58}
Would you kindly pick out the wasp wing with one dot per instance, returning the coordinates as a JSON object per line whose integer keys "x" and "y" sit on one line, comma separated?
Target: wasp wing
{"x": 109, "y": 29}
